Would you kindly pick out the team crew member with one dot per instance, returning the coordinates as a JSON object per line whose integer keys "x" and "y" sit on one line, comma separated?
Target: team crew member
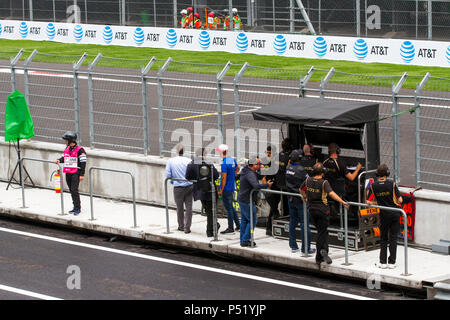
{"x": 308, "y": 160}
{"x": 184, "y": 22}
{"x": 229, "y": 169}
{"x": 268, "y": 171}
{"x": 190, "y": 17}
{"x": 295, "y": 176}
{"x": 237, "y": 22}
{"x": 336, "y": 172}
{"x": 315, "y": 190}
{"x": 74, "y": 161}
{"x": 249, "y": 182}
{"x": 202, "y": 189}
{"x": 280, "y": 178}
{"x": 197, "y": 21}
{"x": 213, "y": 22}
{"x": 384, "y": 192}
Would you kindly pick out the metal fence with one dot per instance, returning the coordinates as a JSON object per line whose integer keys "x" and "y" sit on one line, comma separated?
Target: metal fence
{"x": 416, "y": 19}
{"x": 153, "y": 104}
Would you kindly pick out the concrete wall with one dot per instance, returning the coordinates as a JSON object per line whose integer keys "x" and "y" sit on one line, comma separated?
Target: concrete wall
{"x": 432, "y": 207}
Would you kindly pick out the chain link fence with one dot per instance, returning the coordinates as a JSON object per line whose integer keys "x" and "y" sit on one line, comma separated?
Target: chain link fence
{"x": 153, "y": 104}
{"x": 410, "y": 19}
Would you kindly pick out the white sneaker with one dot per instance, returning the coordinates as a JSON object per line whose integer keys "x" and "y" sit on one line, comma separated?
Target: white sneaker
{"x": 391, "y": 266}
{"x": 381, "y": 265}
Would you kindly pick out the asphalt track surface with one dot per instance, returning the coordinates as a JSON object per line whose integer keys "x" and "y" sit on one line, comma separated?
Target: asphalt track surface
{"x": 189, "y": 98}
{"x": 38, "y": 263}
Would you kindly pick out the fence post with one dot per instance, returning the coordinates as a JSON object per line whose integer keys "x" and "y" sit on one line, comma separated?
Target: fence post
{"x": 25, "y": 75}
{"x": 237, "y": 111}
{"x": 417, "y": 92}
{"x": 358, "y": 18}
{"x": 144, "y": 72}
{"x": 220, "y": 77}
{"x": 13, "y": 69}
{"x": 160, "y": 105}
{"x": 91, "y": 99}
{"x": 304, "y": 81}
{"x": 324, "y": 82}
{"x": 395, "y": 90}
{"x": 76, "y": 95}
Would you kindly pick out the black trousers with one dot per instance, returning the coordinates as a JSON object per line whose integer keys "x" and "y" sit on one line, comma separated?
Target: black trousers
{"x": 273, "y": 200}
{"x": 73, "y": 181}
{"x": 321, "y": 222}
{"x": 389, "y": 229}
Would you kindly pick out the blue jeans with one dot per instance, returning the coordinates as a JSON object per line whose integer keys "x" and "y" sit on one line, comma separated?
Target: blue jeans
{"x": 227, "y": 198}
{"x": 296, "y": 216}
{"x": 245, "y": 221}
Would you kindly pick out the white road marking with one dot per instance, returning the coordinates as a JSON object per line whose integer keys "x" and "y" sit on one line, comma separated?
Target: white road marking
{"x": 189, "y": 265}
{"x": 27, "y": 293}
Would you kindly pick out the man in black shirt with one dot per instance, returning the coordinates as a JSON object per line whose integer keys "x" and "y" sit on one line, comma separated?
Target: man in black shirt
{"x": 315, "y": 190}
{"x": 336, "y": 174}
{"x": 308, "y": 160}
{"x": 384, "y": 192}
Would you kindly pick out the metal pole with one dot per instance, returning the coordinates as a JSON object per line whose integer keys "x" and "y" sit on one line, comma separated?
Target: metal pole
{"x": 13, "y": 69}
{"x": 358, "y": 18}
{"x": 306, "y": 17}
{"x": 144, "y": 72}
{"x": 54, "y": 13}
{"x": 251, "y": 220}
{"x": 133, "y": 188}
{"x": 21, "y": 180}
{"x": 91, "y": 99}
{"x": 154, "y": 14}
{"x": 305, "y": 230}
{"x": 304, "y": 81}
{"x": 220, "y": 125}
{"x": 122, "y": 13}
{"x": 25, "y": 75}
{"x": 166, "y": 196}
{"x": 76, "y": 95}
{"x": 273, "y": 14}
{"x": 365, "y": 16}
{"x": 160, "y": 105}
{"x": 230, "y": 13}
{"x": 90, "y": 195}
{"x": 175, "y": 13}
{"x": 417, "y": 92}
{"x": 346, "y": 237}
{"x": 320, "y": 16}
{"x": 324, "y": 82}
{"x": 31, "y": 9}
{"x": 85, "y": 11}
{"x": 395, "y": 91}
{"x": 291, "y": 16}
{"x": 430, "y": 20}
{"x": 417, "y": 17}
{"x": 214, "y": 207}
{"x": 237, "y": 134}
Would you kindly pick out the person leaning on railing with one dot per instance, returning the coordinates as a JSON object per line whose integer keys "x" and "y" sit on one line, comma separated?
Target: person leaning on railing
{"x": 384, "y": 192}
{"x": 249, "y": 182}
{"x": 315, "y": 191}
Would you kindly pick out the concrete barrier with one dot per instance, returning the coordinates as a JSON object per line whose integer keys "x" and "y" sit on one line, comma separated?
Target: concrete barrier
{"x": 432, "y": 221}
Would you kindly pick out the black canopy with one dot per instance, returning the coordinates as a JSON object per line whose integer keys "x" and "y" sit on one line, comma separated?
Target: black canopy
{"x": 322, "y": 112}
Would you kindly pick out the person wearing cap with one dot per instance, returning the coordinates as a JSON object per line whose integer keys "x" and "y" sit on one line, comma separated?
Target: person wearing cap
{"x": 184, "y": 22}
{"x": 295, "y": 176}
{"x": 249, "y": 182}
{"x": 190, "y": 17}
{"x": 183, "y": 190}
{"x": 237, "y": 22}
{"x": 197, "y": 21}
{"x": 213, "y": 22}
{"x": 229, "y": 169}
{"x": 74, "y": 160}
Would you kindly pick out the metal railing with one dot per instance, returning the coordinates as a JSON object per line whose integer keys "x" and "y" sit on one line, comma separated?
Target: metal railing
{"x": 305, "y": 215}
{"x": 133, "y": 191}
{"x": 381, "y": 208}
{"x": 213, "y": 195}
{"x": 359, "y": 182}
{"x": 23, "y": 185}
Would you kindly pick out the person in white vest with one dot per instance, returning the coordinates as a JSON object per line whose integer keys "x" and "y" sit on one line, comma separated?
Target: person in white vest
{"x": 74, "y": 167}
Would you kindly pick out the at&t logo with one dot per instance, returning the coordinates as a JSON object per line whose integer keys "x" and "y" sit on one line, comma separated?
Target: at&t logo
{"x": 242, "y": 42}
{"x": 407, "y": 51}
{"x": 171, "y": 38}
{"x": 204, "y": 40}
{"x": 360, "y": 49}
{"x": 139, "y": 36}
{"x": 280, "y": 44}
{"x": 320, "y": 47}
{"x": 23, "y": 30}
{"x": 107, "y": 35}
{"x": 51, "y": 31}
{"x": 78, "y": 33}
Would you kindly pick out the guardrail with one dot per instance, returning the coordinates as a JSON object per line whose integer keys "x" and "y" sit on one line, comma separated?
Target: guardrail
{"x": 166, "y": 199}
{"x": 133, "y": 191}
{"x": 382, "y": 208}
{"x": 305, "y": 213}
{"x": 359, "y": 182}
{"x": 23, "y": 185}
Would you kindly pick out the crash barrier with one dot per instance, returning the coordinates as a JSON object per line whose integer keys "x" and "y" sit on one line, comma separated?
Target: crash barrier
{"x": 133, "y": 191}
{"x": 305, "y": 214}
{"x": 193, "y": 98}
{"x": 23, "y": 184}
{"x": 214, "y": 205}
{"x": 381, "y": 208}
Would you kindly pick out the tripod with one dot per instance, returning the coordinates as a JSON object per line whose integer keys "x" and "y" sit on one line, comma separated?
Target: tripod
{"x": 20, "y": 169}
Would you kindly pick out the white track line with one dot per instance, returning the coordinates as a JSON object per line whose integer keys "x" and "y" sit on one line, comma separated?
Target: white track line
{"x": 189, "y": 265}
{"x": 27, "y": 293}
